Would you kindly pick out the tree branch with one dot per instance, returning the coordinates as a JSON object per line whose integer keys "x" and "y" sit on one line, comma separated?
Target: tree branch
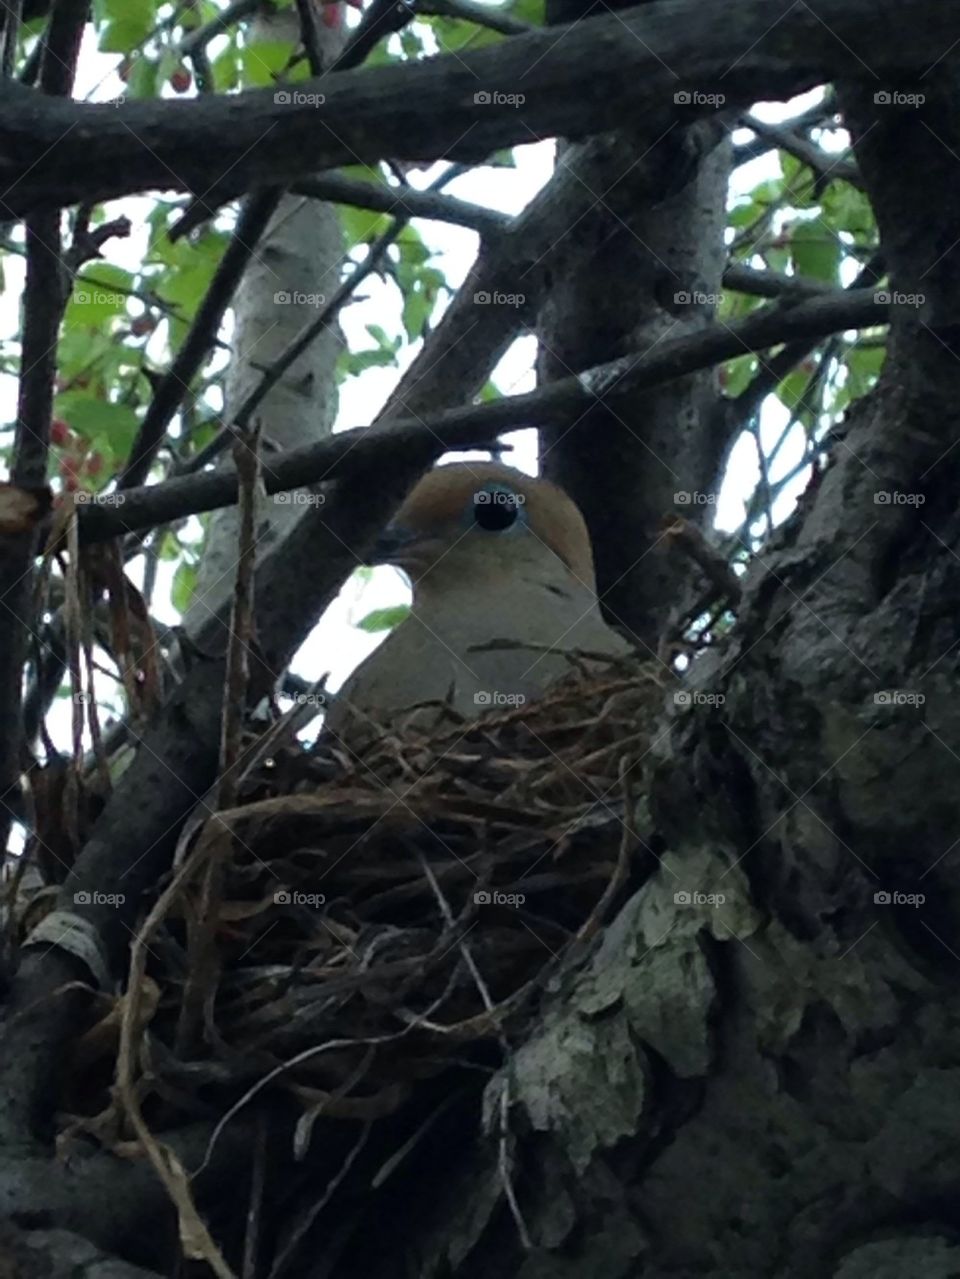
{"x": 464, "y": 105}
{"x": 339, "y": 189}
{"x": 477, "y": 425}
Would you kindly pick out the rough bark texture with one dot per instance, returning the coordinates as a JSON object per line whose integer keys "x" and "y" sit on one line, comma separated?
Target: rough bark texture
{"x": 643, "y": 264}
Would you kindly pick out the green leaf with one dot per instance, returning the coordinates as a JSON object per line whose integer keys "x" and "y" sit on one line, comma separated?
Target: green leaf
{"x": 532, "y": 11}
{"x": 127, "y": 24}
{"x": 739, "y": 373}
{"x": 226, "y": 69}
{"x": 142, "y": 80}
{"x": 92, "y": 418}
{"x": 847, "y": 209}
{"x": 454, "y": 35}
{"x": 816, "y": 252}
{"x": 184, "y": 585}
{"x": 360, "y": 226}
{"x": 863, "y": 365}
{"x": 98, "y": 296}
{"x": 384, "y": 619}
{"x": 264, "y": 61}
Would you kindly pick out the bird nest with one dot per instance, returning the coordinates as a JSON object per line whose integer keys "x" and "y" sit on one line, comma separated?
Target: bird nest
{"x": 350, "y": 928}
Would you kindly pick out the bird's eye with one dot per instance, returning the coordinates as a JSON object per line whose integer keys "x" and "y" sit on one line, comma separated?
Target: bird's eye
{"x": 496, "y": 509}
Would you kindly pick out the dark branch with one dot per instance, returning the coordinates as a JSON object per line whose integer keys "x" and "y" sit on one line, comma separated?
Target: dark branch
{"x": 464, "y": 106}
{"x": 477, "y": 425}
{"x": 339, "y": 189}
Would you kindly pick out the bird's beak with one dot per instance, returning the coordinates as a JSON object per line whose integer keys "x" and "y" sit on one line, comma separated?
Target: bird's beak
{"x": 390, "y": 545}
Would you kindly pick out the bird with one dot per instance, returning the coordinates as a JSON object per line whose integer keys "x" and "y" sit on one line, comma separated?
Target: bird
{"x": 504, "y": 603}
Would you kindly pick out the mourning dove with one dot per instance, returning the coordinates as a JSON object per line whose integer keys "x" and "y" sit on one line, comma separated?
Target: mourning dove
{"x": 504, "y": 601}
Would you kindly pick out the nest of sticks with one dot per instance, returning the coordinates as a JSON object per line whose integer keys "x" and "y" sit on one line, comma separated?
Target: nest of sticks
{"x": 349, "y": 929}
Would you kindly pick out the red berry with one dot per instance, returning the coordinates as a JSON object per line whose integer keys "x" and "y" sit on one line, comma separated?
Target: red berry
{"x": 94, "y": 464}
{"x": 142, "y": 325}
{"x": 71, "y": 484}
{"x": 181, "y": 80}
{"x": 330, "y": 15}
{"x": 59, "y": 431}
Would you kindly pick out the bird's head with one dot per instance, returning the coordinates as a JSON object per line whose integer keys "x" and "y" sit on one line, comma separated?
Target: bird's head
{"x": 472, "y": 523}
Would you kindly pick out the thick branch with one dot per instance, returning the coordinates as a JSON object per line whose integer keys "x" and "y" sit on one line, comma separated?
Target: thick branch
{"x": 463, "y": 105}
{"x": 479, "y": 424}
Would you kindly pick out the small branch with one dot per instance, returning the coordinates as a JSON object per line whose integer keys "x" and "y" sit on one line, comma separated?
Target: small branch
{"x": 771, "y": 284}
{"x": 826, "y": 168}
{"x": 9, "y": 31}
{"x": 478, "y": 425}
{"x": 480, "y": 15}
{"x": 339, "y": 189}
{"x": 227, "y": 18}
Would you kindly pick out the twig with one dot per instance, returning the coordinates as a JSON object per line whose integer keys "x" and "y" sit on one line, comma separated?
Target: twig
{"x": 340, "y": 189}
{"x": 479, "y": 14}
